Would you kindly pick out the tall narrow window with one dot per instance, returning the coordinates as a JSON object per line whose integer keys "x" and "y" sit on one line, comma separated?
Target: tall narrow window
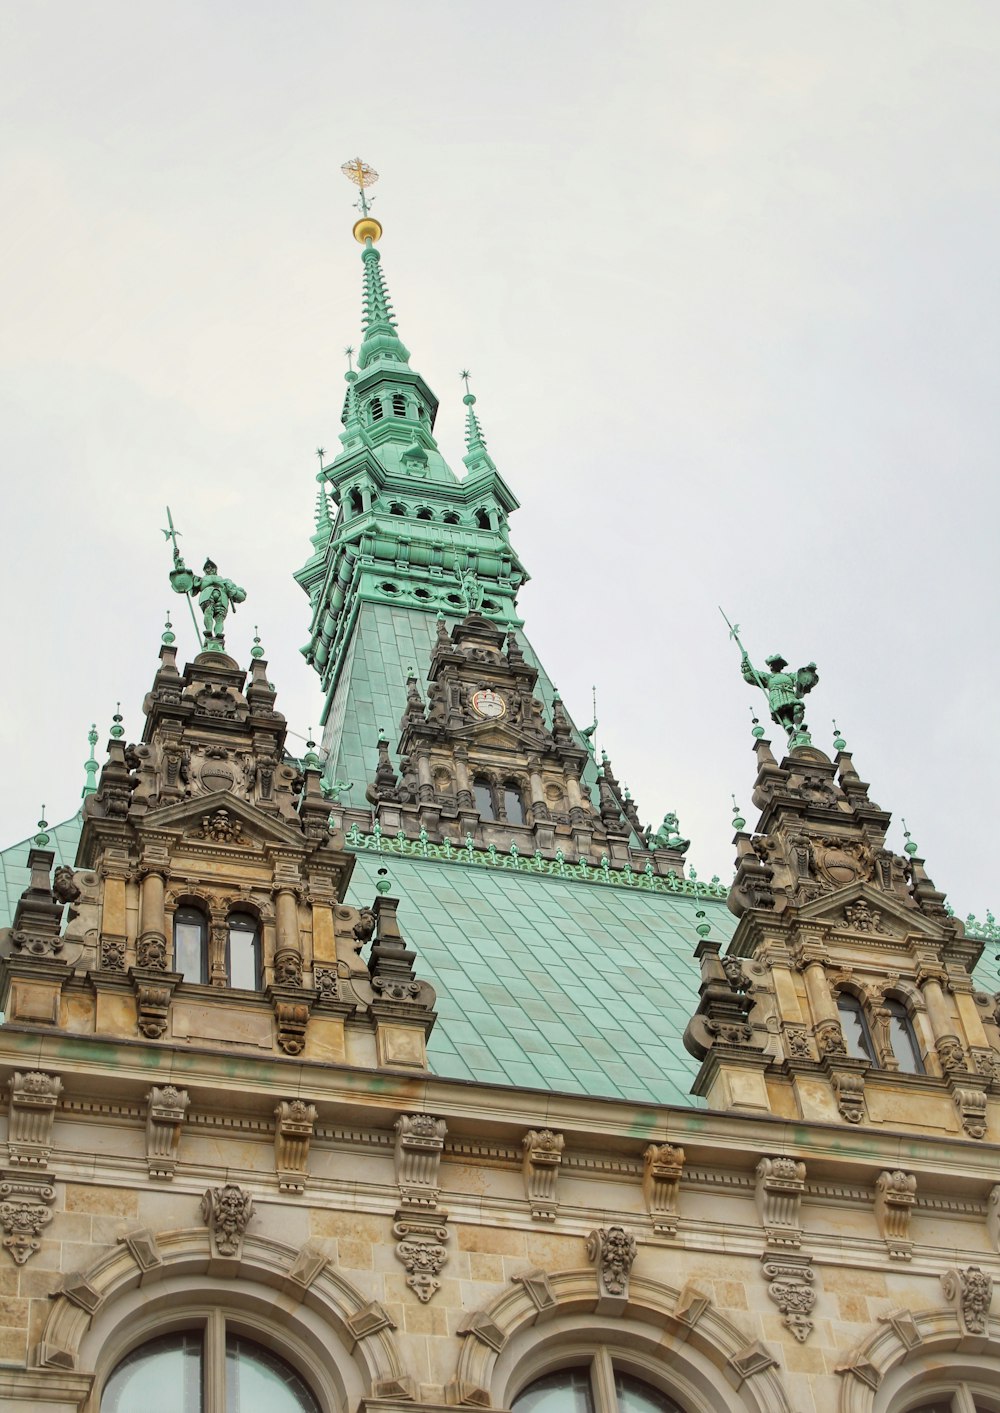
{"x": 376, "y": 409}
{"x": 856, "y": 1034}
{"x": 399, "y": 405}
{"x": 483, "y": 520}
{"x": 357, "y": 503}
{"x": 903, "y": 1039}
{"x": 484, "y": 798}
{"x": 513, "y": 805}
{"x": 191, "y": 944}
{"x": 243, "y": 952}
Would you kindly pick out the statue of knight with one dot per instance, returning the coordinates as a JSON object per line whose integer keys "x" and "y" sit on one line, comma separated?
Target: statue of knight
{"x": 784, "y": 690}
{"x": 216, "y": 594}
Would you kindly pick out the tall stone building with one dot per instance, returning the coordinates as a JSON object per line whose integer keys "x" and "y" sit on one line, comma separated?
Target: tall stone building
{"x": 416, "y": 1072}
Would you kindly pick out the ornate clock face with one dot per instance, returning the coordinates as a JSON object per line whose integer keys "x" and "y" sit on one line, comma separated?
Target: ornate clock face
{"x": 489, "y": 703}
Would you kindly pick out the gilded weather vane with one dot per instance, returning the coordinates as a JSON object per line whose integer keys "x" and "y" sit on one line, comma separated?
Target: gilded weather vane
{"x": 363, "y": 176}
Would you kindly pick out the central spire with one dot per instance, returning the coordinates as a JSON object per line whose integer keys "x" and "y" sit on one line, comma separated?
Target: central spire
{"x": 381, "y": 343}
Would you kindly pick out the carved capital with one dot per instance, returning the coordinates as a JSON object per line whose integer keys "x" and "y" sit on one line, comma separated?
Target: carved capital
{"x": 421, "y": 1248}
{"x": 543, "y": 1151}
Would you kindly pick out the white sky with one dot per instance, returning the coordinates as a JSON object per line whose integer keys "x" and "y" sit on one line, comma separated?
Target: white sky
{"x": 725, "y": 272}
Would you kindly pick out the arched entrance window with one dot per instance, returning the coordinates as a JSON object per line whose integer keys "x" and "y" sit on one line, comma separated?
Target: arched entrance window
{"x": 209, "y": 1370}
{"x": 598, "y": 1387}
{"x": 243, "y": 951}
{"x": 191, "y": 943}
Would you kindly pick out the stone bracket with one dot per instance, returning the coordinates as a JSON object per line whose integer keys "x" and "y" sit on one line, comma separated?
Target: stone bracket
{"x": 790, "y": 1277}
{"x": 543, "y": 1152}
{"x": 417, "y": 1154}
{"x": 969, "y": 1293}
{"x": 295, "y": 1121}
{"x": 780, "y": 1184}
{"x": 25, "y": 1199}
{"x": 612, "y": 1251}
{"x": 421, "y": 1247}
{"x": 663, "y": 1167}
{"x": 34, "y": 1097}
{"x": 895, "y": 1194}
{"x": 166, "y": 1111}
{"x": 154, "y": 991}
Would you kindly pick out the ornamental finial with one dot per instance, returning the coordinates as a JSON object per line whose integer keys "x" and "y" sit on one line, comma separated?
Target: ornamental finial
{"x": 358, "y": 172}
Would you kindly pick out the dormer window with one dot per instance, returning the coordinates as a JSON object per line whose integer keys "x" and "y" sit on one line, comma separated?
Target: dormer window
{"x": 376, "y": 410}
{"x": 191, "y": 944}
{"x": 857, "y": 1036}
{"x": 398, "y": 405}
{"x": 243, "y": 951}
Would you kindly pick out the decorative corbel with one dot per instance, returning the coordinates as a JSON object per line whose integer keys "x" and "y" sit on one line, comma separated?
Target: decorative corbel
{"x": 790, "y": 1277}
{"x": 780, "y": 1184}
{"x": 895, "y": 1194}
{"x": 663, "y": 1166}
{"x": 419, "y": 1145}
{"x": 153, "y": 992}
{"x": 969, "y": 1293}
{"x": 24, "y": 1212}
{"x": 166, "y": 1111}
{"x": 850, "y": 1094}
{"x": 993, "y": 1216}
{"x": 543, "y": 1151}
{"x": 226, "y": 1211}
{"x": 292, "y": 1136}
{"x": 421, "y": 1248}
{"x": 34, "y": 1097}
{"x": 970, "y": 1103}
{"x": 612, "y": 1251}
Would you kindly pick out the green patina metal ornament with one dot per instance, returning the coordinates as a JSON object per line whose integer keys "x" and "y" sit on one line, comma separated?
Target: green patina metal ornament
{"x": 738, "y": 821}
{"x": 117, "y": 729}
{"x": 839, "y": 744}
{"x": 704, "y": 927}
{"x": 910, "y": 847}
{"x": 215, "y": 593}
{"x": 256, "y": 651}
{"x": 90, "y": 764}
{"x": 383, "y": 885}
{"x": 784, "y": 690}
{"x": 168, "y": 636}
{"x": 42, "y": 837}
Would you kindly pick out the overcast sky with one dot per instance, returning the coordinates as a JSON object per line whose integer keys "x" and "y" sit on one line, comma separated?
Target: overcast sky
{"x": 725, "y": 274}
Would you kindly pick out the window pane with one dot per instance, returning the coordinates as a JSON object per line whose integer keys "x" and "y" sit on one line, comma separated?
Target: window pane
{"x": 634, "y": 1396}
{"x": 903, "y": 1039}
{"x": 513, "y": 808}
{"x": 484, "y": 798}
{"x": 163, "y": 1376}
{"x": 257, "y": 1381}
{"x": 856, "y": 1036}
{"x": 244, "y": 958}
{"x": 566, "y": 1391}
{"x": 189, "y": 944}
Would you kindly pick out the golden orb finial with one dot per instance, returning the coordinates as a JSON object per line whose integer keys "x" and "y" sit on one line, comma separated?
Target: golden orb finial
{"x": 363, "y": 176}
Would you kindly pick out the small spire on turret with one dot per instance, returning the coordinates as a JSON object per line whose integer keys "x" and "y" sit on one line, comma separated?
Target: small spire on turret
{"x": 911, "y": 846}
{"x": 839, "y": 744}
{"x": 90, "y": 764}
{"x": 41, "y": 838}
{"x": 117, "y": 729}
{"x": 476, "y": 456}
{"x": 256, "y": 651}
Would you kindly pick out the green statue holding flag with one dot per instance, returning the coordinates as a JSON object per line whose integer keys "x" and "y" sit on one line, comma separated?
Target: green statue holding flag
{"x": 216, "y": 594}
{"x": 784, "y": 690}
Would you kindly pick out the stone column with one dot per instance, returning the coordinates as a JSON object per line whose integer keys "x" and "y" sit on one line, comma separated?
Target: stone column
{"x": 287, "y": 919}
{"x": 151, "y": 948}
{"x": 538, "y": 806}
{"x": 463, "y": 785}
{"x": 826, "y": 1023}
{"x": 931, "y": 981}
{"x": 424, "y": 781}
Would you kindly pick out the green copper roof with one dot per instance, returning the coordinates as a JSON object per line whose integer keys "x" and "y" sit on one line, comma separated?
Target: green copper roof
{"x": 14, "y": 873}
{"x": 549, "y": 983}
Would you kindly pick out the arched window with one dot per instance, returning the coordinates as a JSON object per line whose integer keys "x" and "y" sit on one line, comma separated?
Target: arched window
{"x": 185, "y": 1372}
{"x": 483, "y": 520}
{"x": 397, "y": 509}
{"x": 356, "y": 502}
{"x": 857, "y": 1036}
{"x": 424, "y": 514}
{"x": 399, "y": 405}
{"x": 191, "y": 943}
{"x": 601, "y": 1387}
{"x": 450, "y": 518}
{"x": 376, "y": 409}
{"x": 513, "y": 804}
{"x": 484, "y": 797}
{"x": 903, "y": 1039}
{"x": 243, "y": 951}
